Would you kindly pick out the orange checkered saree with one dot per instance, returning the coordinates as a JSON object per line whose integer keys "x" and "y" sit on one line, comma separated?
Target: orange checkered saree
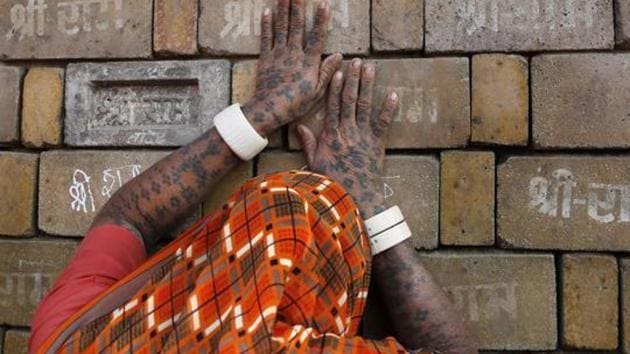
{"x": 284, "y": 265}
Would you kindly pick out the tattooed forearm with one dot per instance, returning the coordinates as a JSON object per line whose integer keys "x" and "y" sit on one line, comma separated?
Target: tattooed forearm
{"x": 419, "y": 311}
{"x": 165, "y": 194}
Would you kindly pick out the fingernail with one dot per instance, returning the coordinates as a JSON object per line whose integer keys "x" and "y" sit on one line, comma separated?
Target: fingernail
{"x": 356, "y": 63}
{"x": 369, "y": 69}
{"x": 338, "y": 75}
{"x": 301, "y": 128}
{"x": 393, "y": 97}
{"x": 267, "y": 12}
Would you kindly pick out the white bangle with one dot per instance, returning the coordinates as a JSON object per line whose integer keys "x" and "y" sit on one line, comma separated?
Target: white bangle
{"x": 387, "y": 229}
{"x": 238, "y": 133}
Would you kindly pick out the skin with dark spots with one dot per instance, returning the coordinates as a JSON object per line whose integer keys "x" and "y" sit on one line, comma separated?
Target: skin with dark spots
{"x": 351, "y": 150}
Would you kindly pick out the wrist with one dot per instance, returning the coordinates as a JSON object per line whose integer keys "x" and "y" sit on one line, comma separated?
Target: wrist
{"x": 263, "y": 121}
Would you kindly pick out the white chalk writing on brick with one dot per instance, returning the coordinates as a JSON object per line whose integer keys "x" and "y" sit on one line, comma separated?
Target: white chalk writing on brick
{"x": 80, "y": 190}
{"x": 73, "y": 17}
{"x": 556, "y": 194}
{"x": 485, "y": 301}
{"x": 242, "y": 18}
{"x": 388, "y": 191}
{"x": 417, "y": 104}
{"x": 147, "y": 137}
{"x": 23, "y": 288}
{"x": 520, "y": 15}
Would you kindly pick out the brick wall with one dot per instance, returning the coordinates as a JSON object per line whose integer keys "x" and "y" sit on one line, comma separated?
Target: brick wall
{"x": 510, "y": 152}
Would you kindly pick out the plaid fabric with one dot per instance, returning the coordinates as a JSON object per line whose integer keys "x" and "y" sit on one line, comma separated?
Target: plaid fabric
{"x": 283, "y": 266}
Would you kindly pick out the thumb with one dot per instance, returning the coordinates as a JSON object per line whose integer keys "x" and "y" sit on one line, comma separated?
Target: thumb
{"x": 308, "y": 142}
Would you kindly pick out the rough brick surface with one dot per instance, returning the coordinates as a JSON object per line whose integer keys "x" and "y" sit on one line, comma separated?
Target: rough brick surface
{"x": 18, "y": 186}
{"x": 581, "y": 100}
{"x": 28, "y": 269}
{"x": 467, "y": 198}
{"x": 564, "y": 202}
{"x": 434, "y": 107}
{"x": 79, "y": 29}
{"x": 528, "y": 25}
{"x": 167, "y": 103}
{"x": 11, "y": 78}
{"x": 589, "y": 301}
{"x": 16, "y": 342}
{"x": 500, "y": 99}
{"x": 622, "y": 25}
{"x": 228, "y": 185}
{"x": 175, "y": 27}
{"x": 233, "y": 26}
{"x": 624, "y": 267}
{"x": 244, "y": 87}
{"x": 507, "y": 300}
{"x": 74, "y": 185}
{"x": 397, "y": 25}
{"x": 416, "y": 193}
{"x": 42, "y": 106}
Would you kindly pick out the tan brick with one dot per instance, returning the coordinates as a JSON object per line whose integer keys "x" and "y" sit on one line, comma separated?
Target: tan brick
{"x": 18, "y": 186}
{"x": 62, "y": 29}
{"x": 27, "y": 270}
{"x": 564, "y": 202}
{"x": 517, "y": 26}
{"x": 416, "y": 194}
{"x": 228, "y": 185}
{"x": 11, "y": 78}
{"x": 244, "y": 87}
{"x": 500, "y": 99}
{"x": 42, "y": 104}
{"x": 175, "y": 27}
{"x": 581, "y": 100}
{"x": 233, "y": 26}
{"x": 74, "y": 185}
{"x": 16, "y": 342}
{"x": 625, "y": 303}
{"x": 622, "y": 23}
{"x": 434, "y": 103}
{"x": 507, "y": 300}
{"x": 397, "y": 25}
{"x": 467, "y": 198}
{"x": 589, "y": 301}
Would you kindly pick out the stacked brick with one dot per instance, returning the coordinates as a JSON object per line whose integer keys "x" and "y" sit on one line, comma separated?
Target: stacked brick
{"x": 510, "y": 153}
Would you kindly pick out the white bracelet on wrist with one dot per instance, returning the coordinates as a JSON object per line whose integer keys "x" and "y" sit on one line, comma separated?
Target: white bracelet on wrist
{"x": 387, "y": 229}
{"x": 238, "y": 133}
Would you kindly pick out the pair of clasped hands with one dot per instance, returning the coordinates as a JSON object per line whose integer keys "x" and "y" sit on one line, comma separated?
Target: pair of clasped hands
{"x": 292, "y": 78}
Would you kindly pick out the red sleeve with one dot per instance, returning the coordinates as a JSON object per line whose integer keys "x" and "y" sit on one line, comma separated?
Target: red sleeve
{"x": 107, "y": 254}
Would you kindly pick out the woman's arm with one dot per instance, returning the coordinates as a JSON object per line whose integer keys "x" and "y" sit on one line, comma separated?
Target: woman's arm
{"x": 351, "y": 150}
{"x": 290, "y": 77}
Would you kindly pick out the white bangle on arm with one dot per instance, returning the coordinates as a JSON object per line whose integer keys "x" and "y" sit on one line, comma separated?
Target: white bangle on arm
{"x": 238, "y": 133}
{"x": 387, "y": 230}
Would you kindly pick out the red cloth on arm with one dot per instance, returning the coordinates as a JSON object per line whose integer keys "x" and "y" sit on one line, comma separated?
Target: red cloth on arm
{"x": 107, "y": 254}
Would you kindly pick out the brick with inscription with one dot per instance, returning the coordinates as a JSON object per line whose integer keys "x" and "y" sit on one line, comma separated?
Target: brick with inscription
{"x": 175, "y": 27}
{"x": 397, "y": 25}
{"x": 167, "y": 103}
{"x": 226, "y": 186}
{"x": 589, "y": 301}
{"x": 467, "y": 198}
{"x": 75, "y": 29}
{"x": 74, "y": 185}
{"x": 624, "y": 268}
{"x": 11, "y": 78}
{"x": 622, "y": 24}
{"x": 507, "y": 300}
{"x": 16, "y": 342}
{"x": 411, "y": 182}
{"x": 434, "y": 106}
{"x": 564, "y": 202}
{"x": 42, "y": 106}
{"x": 517, "y": 26}
{"x": 27, "y": 270}
{"x": 233, "y": 26}
{"x": 243, "y": 88}
{"x": 500, "y": 99}
{"x": 18, "y": 188}
{"x": 581, "y": 100}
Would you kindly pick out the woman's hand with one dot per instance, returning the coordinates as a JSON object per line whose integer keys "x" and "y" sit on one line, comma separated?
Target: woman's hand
{"x": 291, "y": 76}
{"x": 351, "y": 148}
